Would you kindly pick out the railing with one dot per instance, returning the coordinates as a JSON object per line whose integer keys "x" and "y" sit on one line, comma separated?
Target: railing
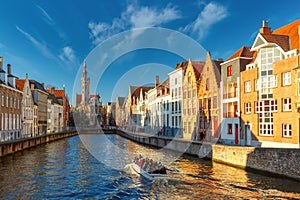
{"x": 229, "y": 115}
{"x": 229, "y": 95}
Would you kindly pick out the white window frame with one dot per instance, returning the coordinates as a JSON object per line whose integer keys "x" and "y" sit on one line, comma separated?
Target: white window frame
{"x": 248, "y": 86}
{"x": 288, "y": 105}
{"x": 2, "y": 99}
{"x": 286, "y": 78}
{"x": 248, "y": 108}
{"x": 286, "y": 130}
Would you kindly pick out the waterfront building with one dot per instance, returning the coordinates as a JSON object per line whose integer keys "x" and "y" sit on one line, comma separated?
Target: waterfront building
{"x": 63, "y": 99}
{"x": 270, "y": 89}
{"x": 151, "y": 124}
{"x": 133, "y": 115}
{"x": 29, "y": 109}
{"x": 176, "y": 82}
{"x": 120, "y": 111}
{"x": 88, "y": 106}
{"x": 54, "y": 113}
{"x": 40, "y": 97}
{"x": 230, "y": 95}
{"x": 189, "y": 98}
{"x": 111, "y": 113}
{"x": 209, "y": 115}
{"x": 10, "y": 105}
{"x": 163, "y": 108}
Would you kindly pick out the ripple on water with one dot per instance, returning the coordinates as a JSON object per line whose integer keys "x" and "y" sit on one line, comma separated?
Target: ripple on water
{"x": 65, "y": 169}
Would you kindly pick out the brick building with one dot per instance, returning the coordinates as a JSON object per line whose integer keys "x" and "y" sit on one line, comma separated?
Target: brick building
{"x": 10, "y": 105}
{"x": 269, "y": 89}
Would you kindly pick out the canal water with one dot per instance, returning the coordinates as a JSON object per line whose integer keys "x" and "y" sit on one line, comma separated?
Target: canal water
{"x": 89, "y": 168}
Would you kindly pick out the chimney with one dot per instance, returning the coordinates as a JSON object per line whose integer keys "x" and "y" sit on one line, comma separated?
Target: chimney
{"x": 220, "y": 59}
{"x": 265, "y": 29}
{"x": 8, "y": 69}
{"x": 43, "y": 85}
{"x": 52, "y": 90}
{"x": 32, "y": 86}
{"x": 156, "y": 81}
{"x": 1, "y": 63}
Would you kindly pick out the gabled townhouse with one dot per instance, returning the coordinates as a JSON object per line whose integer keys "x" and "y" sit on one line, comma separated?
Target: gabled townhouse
{"x": 111, "y": 113}
{"x": 29, "y": 109}
{"x": 54, "y": 114}
{"x": 209, "y": 115}
{"x": 133, "y": 116}
{"x": 151, "y": 124}
{"x": 269, "y": 89}
{"x": 176, "y": 82}
{"x": 120, "y": 111}
{"x": 163, "y": 107}
{"x": 10, "y": 105}
{"x": 230, "y": 95}
{"x": 63, "y": 99}
{"x": 40, "y": 97}
{"x": 189, "y": 99}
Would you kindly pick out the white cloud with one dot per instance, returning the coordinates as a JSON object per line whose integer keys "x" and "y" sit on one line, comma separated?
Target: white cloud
{"x": 211, "y": 14}
{"x": 39, "y": 45}
{"x": 149, "y": 17}
{"x": 67, "y": 55}
{"x": 133, "y": 17}
{"x": 47, "y": 17}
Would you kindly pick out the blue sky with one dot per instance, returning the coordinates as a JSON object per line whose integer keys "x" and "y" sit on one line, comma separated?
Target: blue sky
{"x": 49, "y": 40}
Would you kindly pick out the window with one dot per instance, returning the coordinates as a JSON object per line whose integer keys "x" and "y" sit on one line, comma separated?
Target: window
{"x": 266, "y": 106}
{"x": 247, "y": 86}
{"x": 229, "y": 71}
{"x": 6, "y": 101}
{"x": 2, "y": 100}
{"x": 215, "y": 103}
{"x": 287, "y": 130}
{"x": 286, "y": 78}
{"x": 248, "y": 107}
{"x": 229, "y": 129}
{"x": 286, "y": 104}
{"x": 200, "y": 104}
{"x": 266, "y": 124}
{"x": 207, "y": 84}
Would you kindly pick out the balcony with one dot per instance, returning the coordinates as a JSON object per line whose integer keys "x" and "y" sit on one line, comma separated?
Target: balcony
{"x": 230, "y": 95}
{"x": 229, "y": 115}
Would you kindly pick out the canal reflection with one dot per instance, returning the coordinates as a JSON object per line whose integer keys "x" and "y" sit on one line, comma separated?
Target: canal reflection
{"x": 67, "y": 169}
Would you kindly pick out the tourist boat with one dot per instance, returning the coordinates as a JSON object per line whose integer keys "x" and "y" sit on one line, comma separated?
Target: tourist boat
{"x": 146, "y": 174}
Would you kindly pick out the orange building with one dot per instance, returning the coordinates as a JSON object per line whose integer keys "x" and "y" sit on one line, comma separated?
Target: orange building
{"x": 270, "y": 89}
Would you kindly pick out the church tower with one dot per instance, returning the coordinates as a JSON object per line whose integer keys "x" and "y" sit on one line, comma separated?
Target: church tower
{"x": 85, "y": 86}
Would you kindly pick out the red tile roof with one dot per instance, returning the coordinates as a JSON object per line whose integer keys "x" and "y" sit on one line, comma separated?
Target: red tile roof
{"x": 292, "y": 31}
{"x": 244, "y": 51}
{"x": 58, "y": 93}
{"x": 20, "y": 84}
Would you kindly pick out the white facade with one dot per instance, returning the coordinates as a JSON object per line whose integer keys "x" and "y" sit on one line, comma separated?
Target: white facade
{"x": 176, "y": 80}
{"x": 27, "y": 111}
{"x": 152, "y": 120}
{"x": 54, "y": 116}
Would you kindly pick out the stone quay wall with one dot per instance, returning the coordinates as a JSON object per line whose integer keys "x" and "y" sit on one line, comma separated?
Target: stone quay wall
{"x": 279, "y": 161}
{"x": 276, "y": 161}
{"x": 11, "y": 147}
{"x": 194, "y": 148}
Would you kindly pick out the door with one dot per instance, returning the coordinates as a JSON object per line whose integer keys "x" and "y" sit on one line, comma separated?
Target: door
{"x": 235, "y": 107}
{"x": 248, "y": 134}
{"x": 236, "y": 134}
{"x": 216, "y": 127}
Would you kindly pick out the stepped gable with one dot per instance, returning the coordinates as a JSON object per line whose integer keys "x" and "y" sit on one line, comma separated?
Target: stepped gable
{"x": 198, "y": 67}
